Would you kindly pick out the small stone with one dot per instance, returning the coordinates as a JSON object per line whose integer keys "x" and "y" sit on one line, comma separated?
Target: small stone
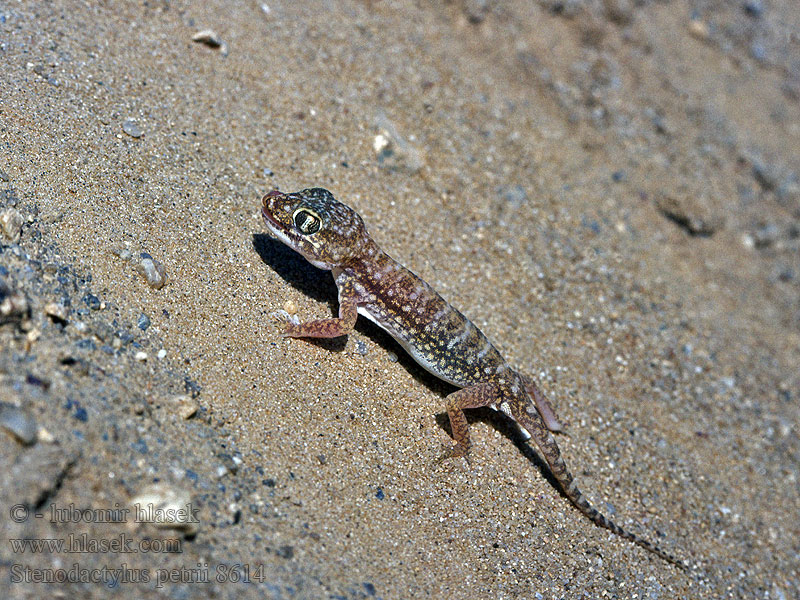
{"x": 758, "y": 51}
{"x": 690, "y": 212}
{"x": 393, "y": 152}
{"x": 766, "y": 236}
{"x": 143, "y": 322}
{"x": 754, "y": 8}
{"x": 361, "y": 347}
{"x": 11, "y": 223}
{"x": 290, "y": 307}
{"x": 210, "y": 39}
{"x": 56, "y": 311}
{"x": 140, "y": 356}
{"x": 92, "y": 301}
{"x": 4, "y": 176}
{"x": 18, "y": 423}
{"x": 186, "y": 406}
{"x": 619, "y": 11}
{"x": 13, "y": 305}
{"x": 699, "y": 29}
{"x": 45, "y": 436}
{"x": 161, "y": 354}
{"x": 152, "y": 270}
{"x": 123, "y": 251}
{"x": 166, "y": 507}
{"x": 130, "y": 127}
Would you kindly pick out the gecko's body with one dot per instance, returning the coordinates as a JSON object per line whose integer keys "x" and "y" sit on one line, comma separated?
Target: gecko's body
{"x": 332, "y": 236}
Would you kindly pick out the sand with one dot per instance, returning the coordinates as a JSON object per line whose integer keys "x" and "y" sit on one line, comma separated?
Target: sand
{"x": 608, "y": 190}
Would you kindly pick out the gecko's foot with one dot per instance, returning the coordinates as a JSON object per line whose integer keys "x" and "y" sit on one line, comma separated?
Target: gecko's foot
{"x": 285, "y": 323}
{"x": 452, "y": 452}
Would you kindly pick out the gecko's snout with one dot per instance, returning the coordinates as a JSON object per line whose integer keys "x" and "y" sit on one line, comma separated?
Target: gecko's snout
{"x": 269, "y": 195}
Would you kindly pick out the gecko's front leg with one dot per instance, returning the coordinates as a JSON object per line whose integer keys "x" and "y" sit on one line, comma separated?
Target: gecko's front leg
{"x": 327, "y": 328}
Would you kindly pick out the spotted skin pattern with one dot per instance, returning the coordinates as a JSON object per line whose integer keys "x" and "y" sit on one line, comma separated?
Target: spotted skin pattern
{"x": 332, "y": 236}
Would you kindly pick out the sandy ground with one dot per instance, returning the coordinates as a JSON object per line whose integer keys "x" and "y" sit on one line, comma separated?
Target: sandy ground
{"x": 608, "y": 189}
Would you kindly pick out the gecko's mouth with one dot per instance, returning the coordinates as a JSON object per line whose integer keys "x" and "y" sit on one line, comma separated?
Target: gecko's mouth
{"x": 270, "y": 220}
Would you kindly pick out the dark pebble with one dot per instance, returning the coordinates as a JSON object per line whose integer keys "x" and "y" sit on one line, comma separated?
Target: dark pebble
{"x": 618, "y": 176}
{"x": 86, "y": 344}
{"x": 269, "y": 482}
{"x": 754, "y": 8}
{"x": 81, "y": 414}
{"x": 92, "y": 301}
{"x": 191, "y": 475}
{"x": 285, "y": 552}
{"x": 37, "y": 381}
{"x": 143, "y": 323}
{"x": 140, "y": 446}
{"x": 369, "y": 588}
{"x": 379, "y": 494}
{"x": 124, "y": 337}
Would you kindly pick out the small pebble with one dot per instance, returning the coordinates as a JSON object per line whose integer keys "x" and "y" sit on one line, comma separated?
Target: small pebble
{"x": 167, "y": 507}
{"x": 161, "y": 354}
{"x": 152, "y": 270}
{"x": 290, "y": 307}
{"x": 699, "y": 29}
{"x": 143, "y": 322}
{"x": 11, "y": 223}
{"x": 13, "y": 305}
{"x": 56, "y": 311}
{"x": 361, "y": 347}
{"x": 207, "y": 37}
{"x": 210, "y": 39}
{"x": 92, "y": 301}
{"x": 45, "y": 436}
{"x": 186, "y": 407}
{"x": 140, "y": 356}
{"x": 130, "y": 127}
{"x": 18, "y": 423}
{"x": 754, "y": 8}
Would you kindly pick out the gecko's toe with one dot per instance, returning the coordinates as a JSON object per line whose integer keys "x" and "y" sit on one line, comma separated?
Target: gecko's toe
{"x": 451, "y": 452}
{"x": 284, "y": 322}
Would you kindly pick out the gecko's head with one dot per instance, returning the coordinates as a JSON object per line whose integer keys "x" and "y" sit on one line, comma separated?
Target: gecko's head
{"x": 312, "y": 222}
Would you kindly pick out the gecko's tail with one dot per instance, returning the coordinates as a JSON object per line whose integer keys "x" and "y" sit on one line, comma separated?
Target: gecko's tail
{"x": 532, "y": 422}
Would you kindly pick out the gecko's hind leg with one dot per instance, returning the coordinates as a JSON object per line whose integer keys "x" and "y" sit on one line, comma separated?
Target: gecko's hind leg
{"x": 546, "y": 410}
{"x": 476, "y": 396}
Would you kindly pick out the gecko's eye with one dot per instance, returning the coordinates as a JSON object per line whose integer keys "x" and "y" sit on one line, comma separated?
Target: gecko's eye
{"x": 306, "y": 221}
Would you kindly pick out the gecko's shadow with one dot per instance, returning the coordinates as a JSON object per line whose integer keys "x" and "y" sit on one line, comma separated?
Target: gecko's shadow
{"x": 318, "y": 284}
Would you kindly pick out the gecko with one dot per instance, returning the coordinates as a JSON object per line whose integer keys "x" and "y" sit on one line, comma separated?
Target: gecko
{"x": 333, "y": 237}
